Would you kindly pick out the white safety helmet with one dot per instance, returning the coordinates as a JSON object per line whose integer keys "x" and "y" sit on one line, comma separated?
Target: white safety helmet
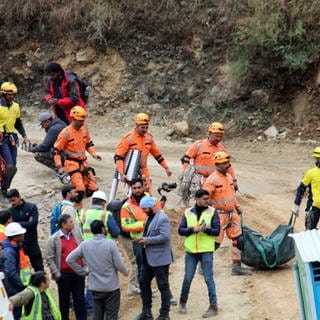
{"x": 14, "y": 229}
{"x": 99, "y": 195}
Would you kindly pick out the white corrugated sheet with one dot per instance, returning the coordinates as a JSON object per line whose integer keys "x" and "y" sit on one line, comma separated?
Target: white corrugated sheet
{"x": 308, "y": 244}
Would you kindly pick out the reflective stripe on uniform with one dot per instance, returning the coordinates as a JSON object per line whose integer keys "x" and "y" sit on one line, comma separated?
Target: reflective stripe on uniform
{"x": 205, "y": 168}
{"x": 76, "y": 154}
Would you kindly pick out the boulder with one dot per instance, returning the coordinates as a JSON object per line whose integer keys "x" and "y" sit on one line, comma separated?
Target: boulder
{"x": 271, "y": 132}
{"x": 86, "y": 56}
{"x": 181, "y": 128}
{"x": 260, "y": 98}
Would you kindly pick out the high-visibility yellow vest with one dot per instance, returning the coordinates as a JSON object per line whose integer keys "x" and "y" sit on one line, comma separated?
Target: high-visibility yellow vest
{"x": 36, "y": 309}
{"x": 8, "y": 117}
{"x": 91, "y": 215}
{"x": 25, "y": 271}
{"x": 133, "y": 223}
{"x": 199, "y": 242}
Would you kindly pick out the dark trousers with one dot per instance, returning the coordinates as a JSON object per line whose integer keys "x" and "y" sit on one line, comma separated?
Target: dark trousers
{"x": 161, "y": 274}
{"x": 17, "y": 311}
{"x": 137, "y": 251}
{"x": 106, "y": 303}
{"x": 45, "y": 158}
{"x": 312, "y": 218}
{"x": 34, "y": 254}
{"x": 71, "y": 283}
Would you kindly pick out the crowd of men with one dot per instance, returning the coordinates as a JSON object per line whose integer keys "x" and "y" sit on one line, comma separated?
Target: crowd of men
{"x": 82, "y": 241}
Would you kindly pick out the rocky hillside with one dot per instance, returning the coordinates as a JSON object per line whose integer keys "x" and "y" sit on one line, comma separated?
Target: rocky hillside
{"x": 245, "y": 64}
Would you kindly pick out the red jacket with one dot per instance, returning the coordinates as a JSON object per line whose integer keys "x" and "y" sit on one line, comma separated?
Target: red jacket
{"x": 68, "y": 97}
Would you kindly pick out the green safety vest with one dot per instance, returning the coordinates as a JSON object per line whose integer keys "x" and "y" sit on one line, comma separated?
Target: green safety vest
{"x": 91, "y": 215}
{"x": 36, "y": 309}
{"x": 199, "y": 242}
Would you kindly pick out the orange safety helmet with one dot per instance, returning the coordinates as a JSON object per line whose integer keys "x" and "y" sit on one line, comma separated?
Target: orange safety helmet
{"x": 216, "y": 127}
{"x": 221, "y": 157}
{"x": 141, "y": 118}
{"x": 78, "y": 113}
{"x": 8, "y": 87}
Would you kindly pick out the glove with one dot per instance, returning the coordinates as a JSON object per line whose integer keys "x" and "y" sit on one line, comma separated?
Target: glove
{"x": 235, "y": 185}
{"x": 239, "y": 210}
{"x": 295, "y": 209}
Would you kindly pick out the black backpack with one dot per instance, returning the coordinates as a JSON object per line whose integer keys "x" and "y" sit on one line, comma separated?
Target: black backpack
{"x": 115, "y": 207}
{"x": 83, "y": 86}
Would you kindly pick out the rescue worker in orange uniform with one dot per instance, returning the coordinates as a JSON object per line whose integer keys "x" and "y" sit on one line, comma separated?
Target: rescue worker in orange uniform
{"x": 70, "y": 154}
{"x": 139, "y": 139}
{"x": 202, "y": 151}
{"x": 222, "y": 194}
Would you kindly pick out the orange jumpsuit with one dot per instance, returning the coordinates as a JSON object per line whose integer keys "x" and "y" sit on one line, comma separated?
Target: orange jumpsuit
{"x": 73, "y": 144}
{"x": 222, "y": 195}
{"x": 145, "y": 144}
{"x": 202, "y": 152}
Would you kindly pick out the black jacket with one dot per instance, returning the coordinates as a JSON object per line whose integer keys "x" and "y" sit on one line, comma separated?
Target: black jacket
{"x": 27, "y": 216}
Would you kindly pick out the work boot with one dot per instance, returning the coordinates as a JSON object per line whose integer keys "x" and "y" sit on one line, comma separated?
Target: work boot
{"x": 133, "y": 290}
{"x": 144, "y": 316}
{"x": 182, "y": 307}
{"x": 211, "y": 312}
{"x": 237, "y": 270}
{"x": 163, "y": 318}
{"x": 173, "y": 301}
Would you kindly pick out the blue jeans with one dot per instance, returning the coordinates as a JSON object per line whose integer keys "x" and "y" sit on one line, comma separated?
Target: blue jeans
{"x": 191, "y": 261}
{"x": 9, "y": 151}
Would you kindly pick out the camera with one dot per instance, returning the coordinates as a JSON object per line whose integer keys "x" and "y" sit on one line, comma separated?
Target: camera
{"x": 167, "y": 187}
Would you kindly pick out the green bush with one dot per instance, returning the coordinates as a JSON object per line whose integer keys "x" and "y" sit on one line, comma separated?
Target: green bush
{"x": 281, "y": 36}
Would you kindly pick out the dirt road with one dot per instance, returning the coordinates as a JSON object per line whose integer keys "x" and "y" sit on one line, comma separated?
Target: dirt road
{"x": 268, "y": 174}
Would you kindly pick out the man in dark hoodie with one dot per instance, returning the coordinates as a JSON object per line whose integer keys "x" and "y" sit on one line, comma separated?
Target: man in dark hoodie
{"x": 200, "y": 225}
{"x": 44, "y": 151}
{"x": 27, "y": 215}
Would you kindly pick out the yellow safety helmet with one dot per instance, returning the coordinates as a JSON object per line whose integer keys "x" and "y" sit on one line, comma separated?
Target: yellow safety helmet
{"x": 216, "y": 127}
{"x": 78, "y": 113}
{"x": 316, "y": 152}
{"x": 221, "y": 157}
{"x": 8, "y": 87}
{"x": 141, "y": 118}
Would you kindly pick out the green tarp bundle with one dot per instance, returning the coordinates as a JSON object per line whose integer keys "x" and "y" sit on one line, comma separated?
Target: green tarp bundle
{"x": 268, "y": 252}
